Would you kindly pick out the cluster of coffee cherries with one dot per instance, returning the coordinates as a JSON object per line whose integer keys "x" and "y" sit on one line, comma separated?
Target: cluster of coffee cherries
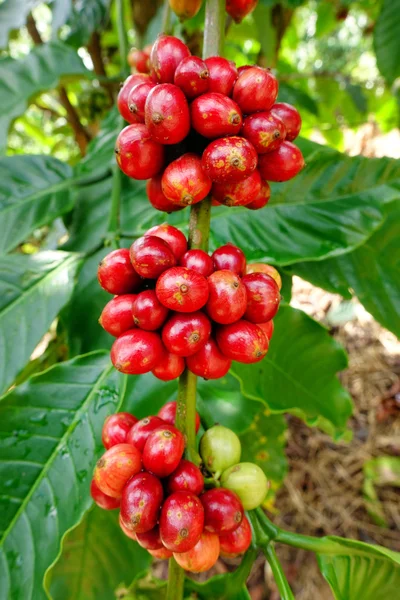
{"x": 163, "y": 503}
{"x": 177, "y": 307}
{"x": 200, "y": 127}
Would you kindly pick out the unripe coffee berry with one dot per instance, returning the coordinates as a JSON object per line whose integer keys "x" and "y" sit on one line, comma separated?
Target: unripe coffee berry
{"x": 141, "y": 502}
{"x": 219, "y": 448}
{"x": 163, "y": 450}
{"x": 181, "y": 521}
{"x": 115, "y": 467}
{"x": 248, "y": 481}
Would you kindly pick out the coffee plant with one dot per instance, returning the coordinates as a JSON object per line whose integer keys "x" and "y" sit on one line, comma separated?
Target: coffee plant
{"x": 155, "y": 253}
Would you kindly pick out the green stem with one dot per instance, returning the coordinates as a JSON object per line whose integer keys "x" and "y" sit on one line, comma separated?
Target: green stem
{"x": 278, "y": 573}
{"x": 166, "y": 18}
{"x": 186, "y": 413}
{"x": 271, "y": 530}
{"x": 122, "y": 37}
{"x": 176, "y": 581}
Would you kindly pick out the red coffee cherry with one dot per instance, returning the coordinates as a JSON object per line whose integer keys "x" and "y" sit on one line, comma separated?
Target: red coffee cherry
{"x": 150, "y": 539}
{"x": 264, "y": 130}
{"x": 192, "y": 76}
{"x": 116, "y": 428}
{"x": 202, "y": 556}
{"x": 148, "y": 313}
{"x": 238, "y": 193}
{"x": 185, "y": 9}
{"x": 267, "y": 269}
{"x": 245, "y": 67}
{"x": 163, "y": 450}
{"x": 263, "y": 297}
{"x": 116, "y": 317}
{"x": 227, "y": 300}
{"x": 161, "y": 554}
{"x": 170, "y": 366}
{"x": 223, "y": 510}
{"x": 185, "y": 334}
{"x": 198, "y": 261}
{"x": 215, "y": 115}
{"x": 101, "y": 499}
{"x": 281, "y": 164}
{"x": 122, "y": 100}
{"x": 173, "y": 236}
{"x": 138, "y": 59}
{"x": 186, "y": 478}
{"x": 291, "y": 119}
{"x": 141, "y": 502}
{"x": 139, "y": 433}
{"x": 150, "y": 256}
{"x": 166, "y": 54}
{"x": 138, "y": 156}
{"x": 157, "y": 198}
{"x": 223, "y": 74}
{"x": 209, "y": 362}
{"x": 238, "y": 9}
{"x": 126, "y": 530}
{"x": 116, "y": 274}
{"x": 229, "y": 257}
{"x": 167, "y": 114}
{"x": 242, "y": 341}
{"x": 262, "y": 197}
{"x": 137, "y": 99}
{"x": 136, "y": 351}
{"x": 168, "y": 413}
{"x": 268, "y": 328}
{"x": 229, "y": 159}
{"x": 184, "y": 181}
{"x": 237, "y": 541}
{"x": 182, "y": 290}
{"x": 115, "y": 467}
{"x": 255, "y": 90}
{"x": 181, "y": 521}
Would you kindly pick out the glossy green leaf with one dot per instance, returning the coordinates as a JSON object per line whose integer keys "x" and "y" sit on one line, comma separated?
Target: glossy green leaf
{"x": 50, "y": 439}
{"x": 298, "y": 97}
{"x": 387, "y": 40}
{"x": 33, "y": 289}
{"x": 371, "y": 272}
{"x": 97, "y": 558}
{"x": 86, "y": 17}
{"x": 13, "y": 14}
{"x": 34, "y": 190}
{"x": 298, "y": 374}
{"x": 40, "y": 70}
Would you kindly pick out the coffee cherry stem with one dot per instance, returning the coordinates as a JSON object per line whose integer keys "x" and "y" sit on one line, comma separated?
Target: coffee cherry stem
{"x": 185, "y": 419}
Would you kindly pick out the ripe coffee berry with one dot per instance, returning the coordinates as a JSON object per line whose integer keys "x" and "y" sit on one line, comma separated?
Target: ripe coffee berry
{"x": 170, "y": 366}
{"x": 115, "y": 467}
{"x": 239, "y": 193}
{"x": 141, "y": 502}
{"x": 150, "y": 256}
{"x": 229, "y": 159}
{"x": 116, "y": 274}
{"x": 199, "y": 261}
{"x": 148, "y": 313}
{"x": 238, "y": 9}
{"x": 209, "y": 362}
{"x": 281, "y": 164}
{"x": 219, "y": 448}
{"x": 101, "y": 499}
{"x": 122, "y": 101}
{"x": 242, "y": 341}
{"x": 184, "y": 181}
{"x": 138, "y": 155}
{"x": 229, "y": 257}
{"x": 116, "y": 316}
{"x": 264, "y": 130}
{"x": 116, "y": 428}
{"x": 173, "y": 236}
{"x": 126, "y": 530}
{"x": 223, "y": 75}
{"x": 215, "y": 115}
{"x": 192, "y": 76}
{"x": 161, "y": 553}
{"x": 167, "y": 114}
{"x": 139, "y": 433}
{"x": 150, "y": 539}
{"x": 137, "y": 99}
{"x": 262, "y": 197}
{"x": 181, "y": 521}
{"x": 157, "y": 198}
{"x": 168, "y": 413}
{"x": 267, "y": 269}
{"x": 268, "y": 328}
{"x": 202, "y": 556}
{"x": 163, "y": 450}
{"x": 290, "y": 117}
{"x": 185, "y": 334}
{"x": 136, "y": 351}
{"x": 228, "y": 299}
{"x": 139, "y": 59}
{"x": 223, "y": 510}
{"x": 186, "y": 478}
{"x": 166, "y": 54}
{"x": 255, "y": 90}
{"x": 182, "y": 290}
{"x": 249, "y": 483}
{"x": 263, "y": 297}
{"x": 237, "y": 541}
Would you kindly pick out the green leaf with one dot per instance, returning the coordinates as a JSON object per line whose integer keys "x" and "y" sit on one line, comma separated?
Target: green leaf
{"x": 33, "y": 192}
{"x": 298, "y": 373}
{"x": 40, "y": 70}
{"x": 96, "y": 558}
{"x": 13, "y": 14}
{"x": 50, "y": 430}
{"x": 292, "y": 95}
{"x": 380, "y": 471}
{"x": 371, "y": 272}
{"x": 33, "y": 289}
{"x": 387, "y": 40}
{"x": 86, "y": 17}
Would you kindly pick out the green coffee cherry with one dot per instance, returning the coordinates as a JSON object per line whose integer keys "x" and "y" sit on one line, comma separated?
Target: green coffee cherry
{"x": 219, "y": 448}
{"x": 248, "y": 481}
